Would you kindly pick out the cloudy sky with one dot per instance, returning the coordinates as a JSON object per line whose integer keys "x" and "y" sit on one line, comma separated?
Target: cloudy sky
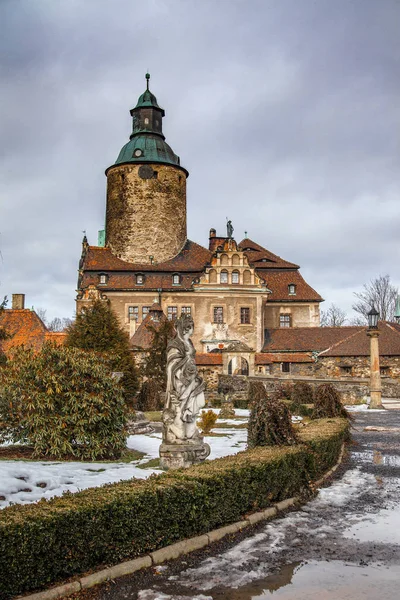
{"x": 285, "y": 112}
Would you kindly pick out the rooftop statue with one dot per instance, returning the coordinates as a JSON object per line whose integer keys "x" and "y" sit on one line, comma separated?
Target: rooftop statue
{"x": 182, "y": 444}
{"x": 229, "y": 229}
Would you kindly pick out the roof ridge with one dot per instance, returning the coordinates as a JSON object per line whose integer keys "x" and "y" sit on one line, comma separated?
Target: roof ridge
{"x": 346, "y": 339}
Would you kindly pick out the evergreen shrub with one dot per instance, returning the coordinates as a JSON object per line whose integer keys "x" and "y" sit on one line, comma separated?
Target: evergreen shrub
{"x": 43, "y": 543}
{"x": 63, "y": 402}
{"x": 97, "y": 328}
{"x": 207, "y": 420}
{"x": 327, "y": 403}
{"x": 301, "y": 394}
{"x": 270, "y": 420}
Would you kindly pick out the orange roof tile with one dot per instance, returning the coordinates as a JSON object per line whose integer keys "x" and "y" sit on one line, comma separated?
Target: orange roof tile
{"x": 266, "y": 358}
{"x": 278, "y": 282}
{"x": 332, "y": 341}
{"x": 143, "y": 336}
{"x": 25, "y": 328}
{"x": 259, "y": 256}
{"x": 192, "y": 258}
{"x": 208, "y": 358}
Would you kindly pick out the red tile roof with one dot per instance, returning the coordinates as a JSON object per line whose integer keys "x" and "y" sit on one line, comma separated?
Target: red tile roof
{"x": 25, "y": 327}
{"x": 143, "y": 336}
{"x": 192, "y": 258}
{"x": 266, "y": 358}
{"x": 359, "y": 344}
{"x": 127, "y": 281}
{"x": 257, "y": 253}
{"x": 208, "y": 358}
{"x": 332, "y": 341}
{"x": 278, "y": 282}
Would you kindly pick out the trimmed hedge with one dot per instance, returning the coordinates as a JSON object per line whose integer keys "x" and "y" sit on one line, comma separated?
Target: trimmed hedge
{"x": 43, "y": 543}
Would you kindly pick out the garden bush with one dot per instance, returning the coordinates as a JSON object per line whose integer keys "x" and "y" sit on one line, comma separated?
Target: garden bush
{"x": 327, "y": 403}
{"x": 46, "y": 542}
{"x": 301, "y": 394}
{"x": 63, "y": 402}
{"x": 207, "y": 421}
{"x": 97, "y": 328}
{"x": 270, "y": 420}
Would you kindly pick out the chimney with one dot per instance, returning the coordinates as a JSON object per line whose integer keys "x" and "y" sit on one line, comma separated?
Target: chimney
{"x": 18, "y": 301}
{"x": 213, "y": 233}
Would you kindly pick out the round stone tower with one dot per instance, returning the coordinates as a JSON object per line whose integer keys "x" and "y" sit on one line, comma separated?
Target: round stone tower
{"x": 146, "y": 191}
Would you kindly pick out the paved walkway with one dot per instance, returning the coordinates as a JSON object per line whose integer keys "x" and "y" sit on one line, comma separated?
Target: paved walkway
{"x": 344, "y": 544}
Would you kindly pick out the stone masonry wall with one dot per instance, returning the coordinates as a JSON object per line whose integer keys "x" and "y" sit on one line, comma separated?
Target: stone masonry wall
{"x": 146, "y": 216}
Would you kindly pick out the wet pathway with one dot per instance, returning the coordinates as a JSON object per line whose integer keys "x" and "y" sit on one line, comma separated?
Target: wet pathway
{"x": 343, "y": 544}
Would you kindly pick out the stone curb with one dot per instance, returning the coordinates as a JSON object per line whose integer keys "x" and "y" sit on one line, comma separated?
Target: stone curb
{"x": 172, "y": 551}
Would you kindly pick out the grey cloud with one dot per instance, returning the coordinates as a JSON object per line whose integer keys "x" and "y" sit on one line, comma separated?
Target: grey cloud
{"x": 286, "y": 114}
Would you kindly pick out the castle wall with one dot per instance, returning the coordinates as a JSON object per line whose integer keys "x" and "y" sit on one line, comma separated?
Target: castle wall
{"x": 302, "y": 315}
{"x": 146, "y": 212}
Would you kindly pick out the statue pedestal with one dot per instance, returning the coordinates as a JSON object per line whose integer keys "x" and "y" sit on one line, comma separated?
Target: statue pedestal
{"x": 175, "y": 456}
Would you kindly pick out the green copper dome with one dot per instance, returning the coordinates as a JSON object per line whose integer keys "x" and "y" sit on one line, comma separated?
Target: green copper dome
{"x": 147, "y": 148}
{"x": 147, "y": 142}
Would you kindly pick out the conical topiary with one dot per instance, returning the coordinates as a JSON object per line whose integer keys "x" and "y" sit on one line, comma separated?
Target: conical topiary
{"x": 270, "y": 421}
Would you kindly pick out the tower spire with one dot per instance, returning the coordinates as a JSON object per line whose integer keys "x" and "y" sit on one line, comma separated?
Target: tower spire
{"x": 147, "y": 80}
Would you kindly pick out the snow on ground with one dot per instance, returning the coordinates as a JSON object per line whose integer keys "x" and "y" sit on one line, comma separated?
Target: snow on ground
{"x": 244, "y": 562}
{"x": 23, "y": 482}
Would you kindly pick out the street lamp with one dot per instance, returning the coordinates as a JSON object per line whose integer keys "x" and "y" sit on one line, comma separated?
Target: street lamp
{"x": 375, "y": 384}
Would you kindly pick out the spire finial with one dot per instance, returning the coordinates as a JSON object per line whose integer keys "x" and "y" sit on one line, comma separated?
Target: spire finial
{"x": 147, "y": 79}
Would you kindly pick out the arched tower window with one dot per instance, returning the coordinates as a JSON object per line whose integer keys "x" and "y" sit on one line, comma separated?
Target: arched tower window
{"x": 224, "y": 260}
{"x": 236, "y": 260}
{"x": 235, "y": 277}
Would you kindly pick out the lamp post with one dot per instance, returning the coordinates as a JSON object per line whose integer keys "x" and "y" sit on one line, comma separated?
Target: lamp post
{"x": 375, "y": 385}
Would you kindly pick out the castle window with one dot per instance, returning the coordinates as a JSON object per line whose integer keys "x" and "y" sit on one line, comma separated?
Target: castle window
{"x": 172, "y": 313}
{"x": 235, "y": 276}
{"x": 285, "y": 320}
{"x": 139, "y": 279}
{"x": 176, "y": 279}
{"x": 133, "y": 313}
{"x": 186, "y": 310}
{"x": 285, "y": 367}
{"x": 218, "y": 314}
{"x": 146, "y": 121}
{"x": 145, "y": 311}
{"x": 223, "y": 277}
{"x": 245, "y": 315}
{"x": 292, "y": 289}
{"x": 138, "y": 152}
{"x": 103, "y": 279}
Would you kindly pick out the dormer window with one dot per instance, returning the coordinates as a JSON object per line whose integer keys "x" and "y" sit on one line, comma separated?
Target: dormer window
{"x": 139, "y": 279}
{"x": 292, "y": 289}
{"x": 176, "y": 279}
{"x": 103, "y": 279}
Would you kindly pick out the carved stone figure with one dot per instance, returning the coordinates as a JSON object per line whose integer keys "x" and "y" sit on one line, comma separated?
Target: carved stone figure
{"x": 182, "y": 444}
{"x": 229, "y": 228}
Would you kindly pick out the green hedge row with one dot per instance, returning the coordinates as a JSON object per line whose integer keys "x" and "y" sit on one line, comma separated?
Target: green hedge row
{"x": 46, "y": 542}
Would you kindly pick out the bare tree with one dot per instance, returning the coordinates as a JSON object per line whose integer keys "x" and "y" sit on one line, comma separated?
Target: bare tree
{"x": 379, "y": 293}
{"x": 333, "y": 317}
{"x": 41, "y": 313}
{"x": 55, "y": 325}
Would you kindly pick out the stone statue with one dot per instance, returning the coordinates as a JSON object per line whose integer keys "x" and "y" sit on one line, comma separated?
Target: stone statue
{"x": 229, "y": 228}
{"x": 182, "y": 444}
